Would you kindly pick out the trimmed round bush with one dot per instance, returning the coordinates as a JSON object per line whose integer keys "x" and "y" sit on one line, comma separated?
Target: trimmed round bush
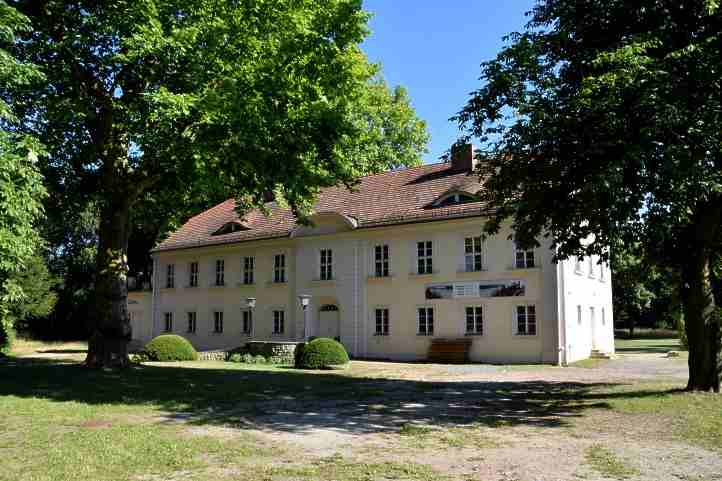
{"x": 323, "y": 353}
{"x": 170, "y": 347}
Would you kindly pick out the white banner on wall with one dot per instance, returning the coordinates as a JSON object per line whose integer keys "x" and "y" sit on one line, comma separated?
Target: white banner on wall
{"x": 494, "y": 288}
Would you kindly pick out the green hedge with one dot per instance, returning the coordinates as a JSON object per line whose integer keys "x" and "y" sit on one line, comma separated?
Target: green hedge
{"x": 170, "y": 347}
{"x": 321, "y": 353}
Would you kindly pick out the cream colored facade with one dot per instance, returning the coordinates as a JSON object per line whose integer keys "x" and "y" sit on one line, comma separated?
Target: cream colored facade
{"x": 346, "y": 305}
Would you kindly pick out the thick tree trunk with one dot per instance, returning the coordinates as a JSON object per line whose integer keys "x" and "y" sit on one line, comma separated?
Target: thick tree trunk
{"x": 111, "y": 331}
{"x": 701, "y": 319}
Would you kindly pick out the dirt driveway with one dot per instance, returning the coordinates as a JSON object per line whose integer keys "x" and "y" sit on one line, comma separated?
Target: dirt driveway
{"x": 482, "y": 422}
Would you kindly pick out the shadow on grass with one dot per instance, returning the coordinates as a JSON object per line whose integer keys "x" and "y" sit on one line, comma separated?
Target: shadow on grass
{"x": 648, "y": 348}
{"x": 297, "y": 401}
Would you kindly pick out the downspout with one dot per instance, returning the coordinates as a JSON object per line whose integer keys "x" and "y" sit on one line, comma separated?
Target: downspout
{"x": 153, "y": 297}
{"x": 355, "y": 299}
{"x": 562, "y": 314}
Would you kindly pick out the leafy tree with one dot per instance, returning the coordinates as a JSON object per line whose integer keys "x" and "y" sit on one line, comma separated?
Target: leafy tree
{"x": 631, "y": 295}
{"x": 186, "y": 97}
{"x": 603, "y": 125}
{"x": 21, "y": 189}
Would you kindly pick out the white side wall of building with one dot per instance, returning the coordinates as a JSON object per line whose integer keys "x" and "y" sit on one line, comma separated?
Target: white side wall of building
{"x": 588, "y": 312}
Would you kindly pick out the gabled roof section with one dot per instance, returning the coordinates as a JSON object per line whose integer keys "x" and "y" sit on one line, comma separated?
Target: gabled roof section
{"x": 396, "y": 197}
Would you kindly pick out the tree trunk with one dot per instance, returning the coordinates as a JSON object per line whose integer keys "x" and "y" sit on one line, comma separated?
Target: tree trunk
{"x": 702, "y": 323}
{"x": 111, "y": 330}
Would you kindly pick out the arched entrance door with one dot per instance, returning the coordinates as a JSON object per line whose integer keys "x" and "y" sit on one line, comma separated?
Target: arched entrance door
{"x": 329, "y": 321}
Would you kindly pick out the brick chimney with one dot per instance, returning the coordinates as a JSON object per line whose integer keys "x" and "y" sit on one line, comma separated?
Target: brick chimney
{"x": 462, "y": 157}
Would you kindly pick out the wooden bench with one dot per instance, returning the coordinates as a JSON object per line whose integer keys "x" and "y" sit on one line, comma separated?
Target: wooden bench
{"x": 450, "y": 350}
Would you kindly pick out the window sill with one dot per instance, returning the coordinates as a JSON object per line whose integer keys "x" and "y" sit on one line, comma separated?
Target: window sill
{"x": 379, "y": 334}
{"x": 421, "y": 334}
{"x": 247, "y": 285}
{"x": 276, "y": 284}
{"x": 278, "y": 334}
{"x": 380, "y": 278}
{"x": 190, "y": 333}
{"x": 216, "y": 333}
{"x": 464, "y": 271}
{"x": 167, "y": 289}
{"x": 217, "y": 286}
{"x": 415, "y": 275}
{"x": 323, "y": 282}
{"x": 474, "y": 334}
{"x": 190, "y": 287}
{"x": 524, "y": 336}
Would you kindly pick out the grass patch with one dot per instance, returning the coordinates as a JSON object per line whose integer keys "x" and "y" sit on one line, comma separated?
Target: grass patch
{"x": 339, "y": 468}
{"x": 606, "y": 463}
{"x": 647, "y": 346}
{"x": 589, "y": 363}
{"x": 420, "y": 436}
{"x": 696, "y": 417}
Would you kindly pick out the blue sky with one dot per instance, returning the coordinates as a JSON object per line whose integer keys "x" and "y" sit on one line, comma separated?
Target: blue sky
{"x": 434, "y": 49}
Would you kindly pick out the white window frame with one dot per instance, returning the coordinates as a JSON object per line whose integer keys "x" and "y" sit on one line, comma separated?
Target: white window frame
{"x": 192, "y": 319}
{"x": 247, "y": 322}
{"x": 526, "y": 256}
{"x": 279, "y": 319}
{"x": 170, "y": 276}
{"x": 579, "y": 315}
{"x": 384, "y": 322}
{"x": 193, "y": 274}
{"x": 220, "y": 270}
{"x": 477, "y": 320}
{"x": 168, "y": 322}
{"x": 426, "y": 259}
{"x": 325, "y": 264}
{"x": 218, "y": 322}
{"x": 279, "y": 268}
{"x": 381, "y": 266}
{"x": 249, "y": 270}
{"x": 473, "y": 259}
{"x": 592, "y": 315}
{"x": 517, "y": 331}
{"x": 427, "y": 323}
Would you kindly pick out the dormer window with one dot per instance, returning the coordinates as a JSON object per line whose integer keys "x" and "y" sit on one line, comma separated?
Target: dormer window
{"x": 455, "y": 198}
{"x": 230, "y": 227}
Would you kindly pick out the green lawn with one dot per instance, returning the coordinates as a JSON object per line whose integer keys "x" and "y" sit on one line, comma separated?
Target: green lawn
{"x": 189, "y": 421}
{"x": 647, "y": 346}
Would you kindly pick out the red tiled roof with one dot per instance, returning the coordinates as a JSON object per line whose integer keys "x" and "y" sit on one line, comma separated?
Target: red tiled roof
{"x": 395, "y": 197}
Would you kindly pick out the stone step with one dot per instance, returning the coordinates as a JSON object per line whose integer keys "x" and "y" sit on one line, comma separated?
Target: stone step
{"x": 596, "y": 354}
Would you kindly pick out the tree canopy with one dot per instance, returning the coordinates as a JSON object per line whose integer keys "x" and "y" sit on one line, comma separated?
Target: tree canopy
{"x": 172, "y": 101}
{"x": 602, "y": 121}
{"x": 21, "y": 187}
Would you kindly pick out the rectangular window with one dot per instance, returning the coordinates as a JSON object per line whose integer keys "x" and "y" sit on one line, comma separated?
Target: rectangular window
{"x": 426, "y": 321}
{"x": 220, "y": 272}
{"x": 526, "y": 320}
{"x": 424, "y": 257}
{"x": 524, "y": 258}
{"x": 602, "y": 273}
{"x": 170, "y": 276}
{"x": 381, "y": 260}
{"x": 279, "y": 268}
{"x": 591, "y": 266}
{"x": 218, "y": 322}
{"x": 247, "y": 321}
{"x": 591, "y": 315}
{"x": 193, "y": 280}
{"x": 382, "y": 322}
{"x": 168, "y": 327}
{"x": 472, "y": 254}
{"x": 604, "y": 320}
{"x": 326, "y": 265}
{"x": 191, "y": 322}
{"x": 474, "y": 321}
{"x": 279, "y": 318}
{"x": 249, "y": 264}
